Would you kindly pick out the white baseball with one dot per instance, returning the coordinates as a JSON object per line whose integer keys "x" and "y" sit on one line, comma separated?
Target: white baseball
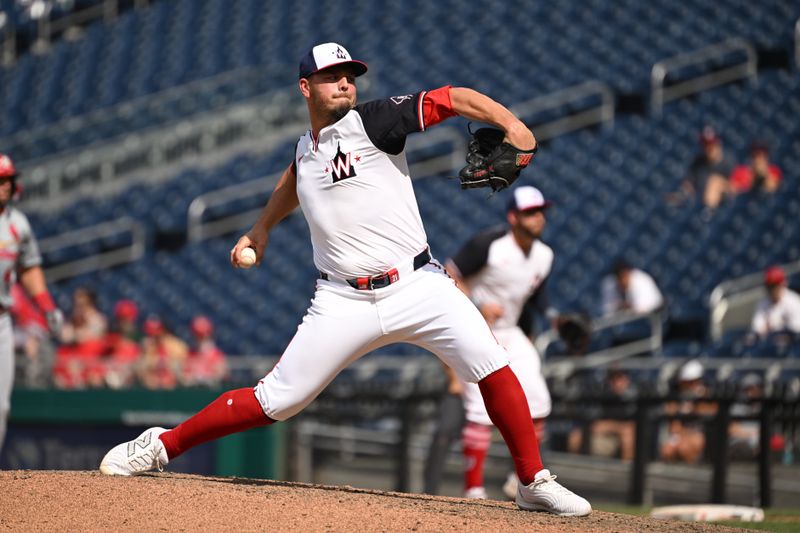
{"x": 247, "y": 257}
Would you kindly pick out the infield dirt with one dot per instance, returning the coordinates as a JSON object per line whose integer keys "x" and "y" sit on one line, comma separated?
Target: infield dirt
{"x": 88, "y": 501}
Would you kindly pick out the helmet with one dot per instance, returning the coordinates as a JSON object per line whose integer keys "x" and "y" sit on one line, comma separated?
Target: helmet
{"x": 7, "y": 170}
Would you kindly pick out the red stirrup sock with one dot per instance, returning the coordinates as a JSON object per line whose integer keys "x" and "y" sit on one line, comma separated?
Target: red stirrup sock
{"x": 508, "y": 409}
{"x": 234, "y": 411}
{"x": 476, "y": 439}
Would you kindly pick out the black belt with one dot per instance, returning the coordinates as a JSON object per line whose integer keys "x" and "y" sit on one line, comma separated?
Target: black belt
{"x": 383, "y": 280}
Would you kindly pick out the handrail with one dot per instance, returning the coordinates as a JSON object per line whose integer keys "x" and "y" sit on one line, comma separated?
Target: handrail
{"x": 198, "y": 230}
{"x": 155, "y": 154}
{"x": 602, "y": 114}
{"x": 797, "y": 43}
{"x": 653, "y": 343}
{"x": 48, "y": 25}
{"x": 132, "y": 252}
{"x": 660, "y": 94}
{"x": 8, "y": 44}
{"x": 137, "y": 106}
{"x": 737, "y": 292}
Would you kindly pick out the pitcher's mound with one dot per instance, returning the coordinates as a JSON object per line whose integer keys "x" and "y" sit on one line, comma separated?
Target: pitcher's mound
{"x": 89, "y": 501}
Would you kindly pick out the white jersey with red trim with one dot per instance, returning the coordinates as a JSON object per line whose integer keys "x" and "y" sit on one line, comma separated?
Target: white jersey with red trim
{"x": 498, "y": 271}
{"x": 18, "y": 250}
{"x": 355, "y": 190}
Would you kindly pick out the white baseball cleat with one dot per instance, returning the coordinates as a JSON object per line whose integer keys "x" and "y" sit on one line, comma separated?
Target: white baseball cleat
{"x": 144, "y": 453}
{"x": 476, "y": 493}
{"x": 545, "y": 494}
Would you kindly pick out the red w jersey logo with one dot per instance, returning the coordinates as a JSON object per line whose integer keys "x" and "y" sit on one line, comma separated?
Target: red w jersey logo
{"x": 524, "y": 159}
{"x": 341, "y": 166}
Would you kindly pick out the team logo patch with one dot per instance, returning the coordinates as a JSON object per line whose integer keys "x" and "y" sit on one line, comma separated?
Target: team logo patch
{"x": 400, "y": 99}
{"x": 524, "y": 159}
{"x": 340, "y": 53}
{"x": 341, "y": 165}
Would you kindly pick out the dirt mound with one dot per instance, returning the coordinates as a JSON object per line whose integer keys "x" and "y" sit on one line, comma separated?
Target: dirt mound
{"x": 88, "y": 501}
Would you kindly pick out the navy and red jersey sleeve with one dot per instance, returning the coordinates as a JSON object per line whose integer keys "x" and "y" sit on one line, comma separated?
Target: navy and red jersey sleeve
{"x": 388, "y": 122}
{"x": 472, "y": 257}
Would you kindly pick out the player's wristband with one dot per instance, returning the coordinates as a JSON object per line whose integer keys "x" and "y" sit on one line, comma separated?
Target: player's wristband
{"x": 44, "y": 301}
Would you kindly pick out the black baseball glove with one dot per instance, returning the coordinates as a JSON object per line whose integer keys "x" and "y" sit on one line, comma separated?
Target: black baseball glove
{"x": 492, "y": 162}
{"x": 575, "y": 329}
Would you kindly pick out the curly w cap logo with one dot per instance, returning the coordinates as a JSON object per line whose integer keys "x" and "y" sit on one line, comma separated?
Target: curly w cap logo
{"x": 341, "y": 165}
{"x": 524, "y": 159}
{"x": 142, "y": 443}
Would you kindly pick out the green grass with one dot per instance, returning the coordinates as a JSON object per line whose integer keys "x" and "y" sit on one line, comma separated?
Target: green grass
{"x": 776, "y": 520}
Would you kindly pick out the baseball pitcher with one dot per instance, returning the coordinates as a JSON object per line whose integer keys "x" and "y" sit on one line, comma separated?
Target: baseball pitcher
{"x": 378, "y": 283}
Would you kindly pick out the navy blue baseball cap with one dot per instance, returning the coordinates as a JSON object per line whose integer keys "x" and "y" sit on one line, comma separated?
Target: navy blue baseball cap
{"x": 328, "y": 55}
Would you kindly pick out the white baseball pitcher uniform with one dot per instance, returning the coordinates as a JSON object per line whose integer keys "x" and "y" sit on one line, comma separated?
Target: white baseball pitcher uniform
{"x": 496, "y": 270}
{"x": 378, "y": 283}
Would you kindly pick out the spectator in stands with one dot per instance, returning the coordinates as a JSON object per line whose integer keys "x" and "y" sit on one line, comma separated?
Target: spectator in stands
{"x": 574, "y": 333}
{"x": 759, "y": 175}
{"x": 686, "y": 439}
{"x": 206, "y": 364}
{"x": 122, "y": 345}
{"x": 779, "y": 311}
{"x": 126, "y": 314}
{"x": 629, "y": 289}
{"x": 86, "y": 324}
{"x": 744, "y": 434}
{"x": 79, "y": 360}
{"x": 708, "y": 173}
{"x": 611, "y": 435}
{"x": 163, "y": 356}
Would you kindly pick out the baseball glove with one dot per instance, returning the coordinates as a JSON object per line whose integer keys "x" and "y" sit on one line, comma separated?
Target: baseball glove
{"x": 492, "y": 162}
{"x": 575, "y": 330}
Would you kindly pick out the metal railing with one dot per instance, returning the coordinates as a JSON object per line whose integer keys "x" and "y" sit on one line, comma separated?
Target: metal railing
{"x": 601, "y": 113}
{"x": 153, "y": 156}
{"x": 797, "y": 43}
{"x": 199, "y": 229}
{"x": 660, "y": 93}
{"x": 653, "y": 343}
{"x": 731, "y": 303}
{"x": 150, "y": 105}
{"x": 118, "y": 256}
{"x": 47, "y": 26}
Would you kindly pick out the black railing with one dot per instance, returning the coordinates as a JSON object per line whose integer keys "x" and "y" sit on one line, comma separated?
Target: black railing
{"x": 646, "y": 411}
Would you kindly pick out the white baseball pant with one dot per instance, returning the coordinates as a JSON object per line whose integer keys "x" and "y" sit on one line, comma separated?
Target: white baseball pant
{"x": 6, "y": 371}
{"x": 423, "y": 308}
{"x": 526, "y": 364}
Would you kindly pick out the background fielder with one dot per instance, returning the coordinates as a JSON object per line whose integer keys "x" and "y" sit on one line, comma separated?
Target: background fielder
{"x": 504, "y": 272}
{"x": 19, "y": 261}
